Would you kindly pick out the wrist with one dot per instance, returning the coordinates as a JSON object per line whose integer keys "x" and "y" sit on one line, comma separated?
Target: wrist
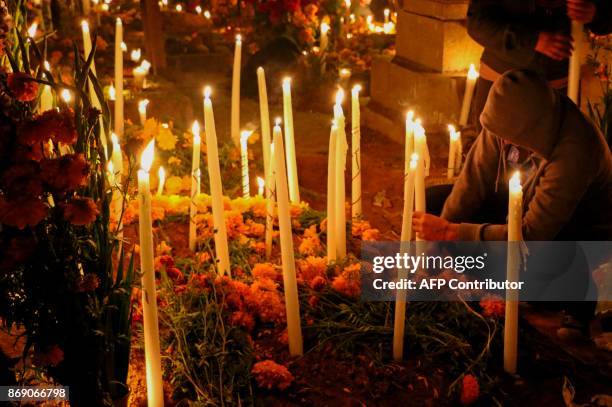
{"x": 451, "y": 231}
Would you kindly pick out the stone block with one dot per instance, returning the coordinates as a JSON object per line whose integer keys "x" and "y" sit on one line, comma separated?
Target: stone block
{"x": 435, "y": 44}
{"x": 439, "y": 9}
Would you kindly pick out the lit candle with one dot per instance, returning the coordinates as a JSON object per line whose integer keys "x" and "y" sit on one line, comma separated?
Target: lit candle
{"x": 324, "y": 40}
{"x": 161, "y": 180}
{"x": 179, "y": 8}
{"x": 46, "y": 98}
{"x": 261, "y": 185}
{"x": 216, "y": 187}
{"x": 292, "y": 305}
{"x": 139, "y": 74}
{"x": 515, "y": 235}
{"x": 356, "y": 153}
{"x": 420, "y": 146}
{"x": 264, "y": 115}
{"x": 118, "y": 122}
{"x": 235, "y": 112}
{"x": 198, "y": 9}
{"x": 195, "y": 184}
{"x": 123, "y": 46}
{"x": 294, "y": 189}
{"x": 387, "y": 13}
{"x": 331, "y": 195}
{"x": 86, "y": 6}
{"x": 66, "y": 96}
{"x": 467, "y": 96}
{"x": 270, "y": 202}
{"x": 406, "y": 236}
{"x": 32, "y": 30}
{"x": 207, "y": 15}
{"x": 573, "y": 84}
{"x": 244, "y": 161}
{"x": 452, "y": 151}
{"x": 155, "y": 393}
{"x": 142, "y": 110}
{"x": 409, "y": 146}
{"x": 341, "y": 150}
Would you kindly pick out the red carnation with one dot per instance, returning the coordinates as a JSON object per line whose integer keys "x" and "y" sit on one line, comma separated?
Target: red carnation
{"x": 470, "y": 390}
{"x": 23, "y": 179}
{"x": 22, "y": 86}
{"x": 80, "y": 211}
{"x": 65, "y": 173}
{"x": 270, "y": 374}
{"x": 493, "y": 306}
{"x": 22, "y": 212}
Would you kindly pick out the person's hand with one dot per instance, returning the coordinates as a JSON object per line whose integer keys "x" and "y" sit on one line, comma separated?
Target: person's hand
{"x": 582, "y": 11}
{"x": 555, "y": 46}
{"x": 430, "y": 227}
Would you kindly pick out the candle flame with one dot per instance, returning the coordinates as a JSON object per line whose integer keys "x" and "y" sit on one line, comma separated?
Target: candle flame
{"x": 207, "y": 14}
{"x": 278, "y": 121}
{"x": 195, "y": 130}
{"x": 339, "y": 96}
{"x": 198, "y": 173}
{"x": 410, "y": 116}
{"x": 112, "y": 93}
{"x": 454, "y": 136}
{"x": 324, "y": 28}
{"x": 145, "y": 65}
{"x": 118, "y": 21}
{"x": 66, "y": 96}
{"x": 198, "y": 9}
{"x": 207, "y": 92}
{"x": 161, "y": 173}
{"x": 414, "y": 160}
{"x": 179, "y": 8}
{"x": 261, "y": 183}
{"x": 135, "y": 55}
{"x": 419, "y": 131}
{"x": 286, "y": 84}
{"x": 47, "y": 65}
{"x": 146, "y": 158}
{"x": 387, "y": 12}
{"x": 238, "y": 38}
{"x": 142, "y": 106}
{"x": 472, "y": 73}
{"x": 110, "y": 168}
{"x": 114, "y": 140}
{"x": 244, "y": 135}
{"x": 105, "y": 7}
{"x": 85, "y": 26}
{"x": 515, "y": 182}
{"x": 345, "y": 73}
{"x": 356, "y": 89}
{"x": 123, "y": 46}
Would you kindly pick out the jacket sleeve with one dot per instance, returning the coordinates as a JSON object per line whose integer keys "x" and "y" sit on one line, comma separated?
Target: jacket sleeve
{"x": 602, "y": 23}
{"x": 495, "y": 29}
{"x": 475, "y": 182}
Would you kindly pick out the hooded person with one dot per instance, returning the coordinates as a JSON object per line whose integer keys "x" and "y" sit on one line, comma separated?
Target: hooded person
{"x": 564, "y": 161}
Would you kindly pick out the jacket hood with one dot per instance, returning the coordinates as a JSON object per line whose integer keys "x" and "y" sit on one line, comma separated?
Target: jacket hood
{"x": 522, "y": 109}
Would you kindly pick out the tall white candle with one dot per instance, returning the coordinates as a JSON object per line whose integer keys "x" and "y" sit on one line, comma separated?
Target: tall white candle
{"x": 195, "y": 184}
{"x": 467, "y": 96}
{"x": 331, "y": 195}
{"x": 244, "y": 161}
{"x": 292, "y": 305}
{"x": 261, "y": 186}
{"x": 161, "y": 181}
{"x": 270, "y": 202}
{"x": 573, "y": 85}
{"x": 235, "y": 111}
{"x": 409, "y": 146}
{"x": 356, "y": 153}
{"x": 118, "y": 122}
{"x": 452, "y": 151}
{"x": 216, "y": 187}
{"x": 294, "y": 188}
{"x": 341, "y": 150}
{"x": 264, "y": 117}
{"x": 155, "y": 393}
{"x": 399, "y": 324}
{"x": 515, "y": 235}
{"x": 420, "y": 146}
{"x": 142, "y": 110}
{"x": 86, "y": 5}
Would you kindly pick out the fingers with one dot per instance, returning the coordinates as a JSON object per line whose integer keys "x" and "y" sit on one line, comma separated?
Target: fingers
{"x": 581, "y": 10}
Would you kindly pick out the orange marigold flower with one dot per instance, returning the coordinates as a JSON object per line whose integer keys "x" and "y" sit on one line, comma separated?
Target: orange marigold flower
{"x": 493, "y": 306}
{"x": 318, "y": 283}
{"x": 310, "y": 268}
{"x": 470, "y": 390}
{"x": 22, "y": 212}
{"x": 370, "y": 235}
{"x": 80, "y": 211}
{"x": 265, "y": 270}
{"x": 22, "y": 86}
{"x": 346, "y": 287}
{"x": 359, "y": 226}
{"x": 255, "y": 229}
{"x": 310, "y": 246}
{"x": 270, "y": 375}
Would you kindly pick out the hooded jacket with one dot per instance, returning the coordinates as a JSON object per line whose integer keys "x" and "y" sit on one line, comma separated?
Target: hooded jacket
{"x": 508, "y": 30}
{"x": 568, "y": 193}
